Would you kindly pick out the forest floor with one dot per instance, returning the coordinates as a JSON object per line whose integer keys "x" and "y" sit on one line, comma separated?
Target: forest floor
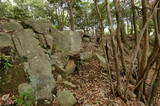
{"x": 91, "y": 84}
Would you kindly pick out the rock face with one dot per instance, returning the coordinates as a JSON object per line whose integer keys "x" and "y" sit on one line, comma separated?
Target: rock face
{"x": 37, "y": 66}
{"x": 6, "y": 45}
{"x": 12, "y": 25}
{"x": 39, "y": 26}
{"x": 43, "y": 31}
{"x": 67, "y": 41}
{"x": 46, "y": 40}
{"x": 66, "y": 98}
{"x": 33, "y": 40}
{"x": 5, "y": 40}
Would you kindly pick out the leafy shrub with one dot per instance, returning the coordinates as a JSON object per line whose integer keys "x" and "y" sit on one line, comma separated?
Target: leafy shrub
{"x": 5, "y": 62}
{"x": 25, "y": 98}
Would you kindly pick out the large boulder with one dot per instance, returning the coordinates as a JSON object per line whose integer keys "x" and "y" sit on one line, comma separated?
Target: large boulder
{"x": 25, "y": 44}
{"x": 43, "y": 29}
{"x": 67, "y": 41}
{"x": 37, "y": 65}
{"x": 12, "y": 25}
{"x": 40, "y": 26}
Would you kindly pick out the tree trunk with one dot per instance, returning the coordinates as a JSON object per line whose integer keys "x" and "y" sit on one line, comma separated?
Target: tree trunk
{"x": 134, "y": 19}
{"x": 137, "y": 48}
{"x": 135, "y": 30}
{"x": 144, "y": 57}
{"x": 158, "y": 22}
{"x": 70, "y": 9}
{"x": 113, "y": 46}
{"x": 120, "y": 21}
{"x": 156, "y": 85}
{"x": 119, "y": 27}
{"x": 100, "y": 21}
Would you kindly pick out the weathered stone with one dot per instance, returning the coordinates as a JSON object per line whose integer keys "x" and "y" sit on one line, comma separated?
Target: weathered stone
{"x": 86, "y": 55}
{"x": 66, "y": 98}
{"x": 37, "y": 66}
{"x": 12, "y": 25}
{"x": 39, "y": 71}
{"x": 25, "y": 88}
{"x": 40, "y": 26}
{"x": 5, "y": 43}
{"x": 25, "y": 43}
{"x": 67, "y": 41}
{"x": 70, "y": 67}
{"x": 5, "y": 40}
{"x": 101, "y": 59}
{"x": 46, "y": 41}
{"x": 43, "y": 28}
{"x": 59, "y": 59}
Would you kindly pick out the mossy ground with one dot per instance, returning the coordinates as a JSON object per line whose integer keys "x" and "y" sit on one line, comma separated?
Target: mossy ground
{"x": 11, "y": 78}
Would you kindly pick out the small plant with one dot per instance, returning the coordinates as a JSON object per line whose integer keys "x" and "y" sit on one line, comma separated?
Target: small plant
{"x": 25, "y": 98}
{"x": 5, "y": 62}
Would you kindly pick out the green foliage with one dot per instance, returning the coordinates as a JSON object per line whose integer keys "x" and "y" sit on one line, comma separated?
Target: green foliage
{"x": 20, "y": 13}
{"x": 5, "y": 62}
{"x": 5, "y": 9}
{"x": 56, "y": 11}
{"x": 25, "y": 98}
